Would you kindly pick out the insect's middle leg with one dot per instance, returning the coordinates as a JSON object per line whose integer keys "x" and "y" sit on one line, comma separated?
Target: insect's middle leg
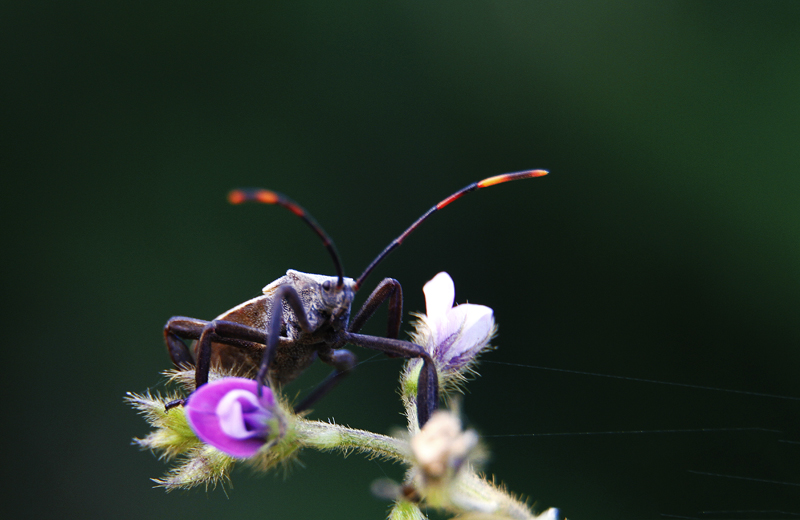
{"x": 230, "y": 333}
{"x": 343, "y": 362}
{"x": 390, "y": 289}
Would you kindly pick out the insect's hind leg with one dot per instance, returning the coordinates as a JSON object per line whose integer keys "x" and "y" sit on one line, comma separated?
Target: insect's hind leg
{"x": 343, "y": 361}
{"x": 180, "y": 328}
{"x": 176, "y": 330}
{"x": 206, "y": 333}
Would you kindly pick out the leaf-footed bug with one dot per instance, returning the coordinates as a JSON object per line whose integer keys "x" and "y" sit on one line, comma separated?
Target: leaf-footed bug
{"x": 313, "y": 321}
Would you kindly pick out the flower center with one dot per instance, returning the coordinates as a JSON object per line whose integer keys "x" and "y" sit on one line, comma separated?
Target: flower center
{"x": 241, "y": 416}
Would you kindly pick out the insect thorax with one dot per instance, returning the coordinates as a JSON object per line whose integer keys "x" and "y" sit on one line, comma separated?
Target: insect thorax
{"x": 325, "y": 311}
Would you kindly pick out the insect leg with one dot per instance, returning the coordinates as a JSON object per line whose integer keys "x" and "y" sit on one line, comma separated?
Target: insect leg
{"x": 343, "y": 362}
{"x": 388, "y": 288}
{"x": 428, "y": 384}
{"x": 206, "y": 332}
{"x": 181, "y": 327}
{"x": 230, "y": 333}
{"x": 288, "y": 293}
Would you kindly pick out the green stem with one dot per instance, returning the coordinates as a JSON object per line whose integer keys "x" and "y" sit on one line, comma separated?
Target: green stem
{"x": 328, "y": 436}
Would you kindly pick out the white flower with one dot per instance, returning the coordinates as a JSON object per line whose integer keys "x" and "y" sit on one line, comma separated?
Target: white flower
{"x": 457, "y": 334}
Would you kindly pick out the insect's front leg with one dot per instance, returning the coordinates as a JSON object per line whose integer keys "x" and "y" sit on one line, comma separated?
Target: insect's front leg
{"x": 288, "y": 293}
{"x": 428, "y": 383}
{"x": 388, "y": 288}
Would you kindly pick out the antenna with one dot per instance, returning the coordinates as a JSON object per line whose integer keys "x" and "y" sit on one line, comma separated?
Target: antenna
{"x": 485, "y": 183}
{"x": 270, "y": 197}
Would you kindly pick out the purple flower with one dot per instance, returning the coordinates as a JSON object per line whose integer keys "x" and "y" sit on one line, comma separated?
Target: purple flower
{"x": 457, "y": 334}
{"x": 229, "y": 415}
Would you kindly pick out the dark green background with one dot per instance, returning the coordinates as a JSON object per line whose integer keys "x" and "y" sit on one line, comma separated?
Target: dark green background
{"x": 665, "y": 244}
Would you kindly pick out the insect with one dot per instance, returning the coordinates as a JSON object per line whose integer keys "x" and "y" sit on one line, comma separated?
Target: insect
{"x": 301, "y": 317}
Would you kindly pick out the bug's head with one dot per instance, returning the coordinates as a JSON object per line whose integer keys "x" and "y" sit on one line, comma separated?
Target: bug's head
{"x": 325, "y": 301}
{"x": 337, "y": 299}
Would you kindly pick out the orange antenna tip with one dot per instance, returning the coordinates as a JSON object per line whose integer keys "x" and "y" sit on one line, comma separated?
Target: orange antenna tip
{"x": 485, "y": 183}
{"x": 499, "y": 179}
{"x": 236, "y": 197}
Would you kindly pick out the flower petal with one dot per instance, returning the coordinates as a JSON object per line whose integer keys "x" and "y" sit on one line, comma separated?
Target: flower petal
{"x": 476, "y": 323}
{"x": 440, "y": 293}
{"x": 203, "y": 407}
{"x": 239, "y": 415}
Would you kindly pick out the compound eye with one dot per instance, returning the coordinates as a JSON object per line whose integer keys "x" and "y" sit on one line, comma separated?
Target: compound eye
{"x": 327, "y": 286}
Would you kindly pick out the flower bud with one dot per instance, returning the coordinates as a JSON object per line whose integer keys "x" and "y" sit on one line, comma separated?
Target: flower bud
{"x": 230, "y": 415}
{"x": 441, "y": 447}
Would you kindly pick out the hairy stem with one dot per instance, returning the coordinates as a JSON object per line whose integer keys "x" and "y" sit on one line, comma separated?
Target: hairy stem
{"x": 328, "y": 436}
